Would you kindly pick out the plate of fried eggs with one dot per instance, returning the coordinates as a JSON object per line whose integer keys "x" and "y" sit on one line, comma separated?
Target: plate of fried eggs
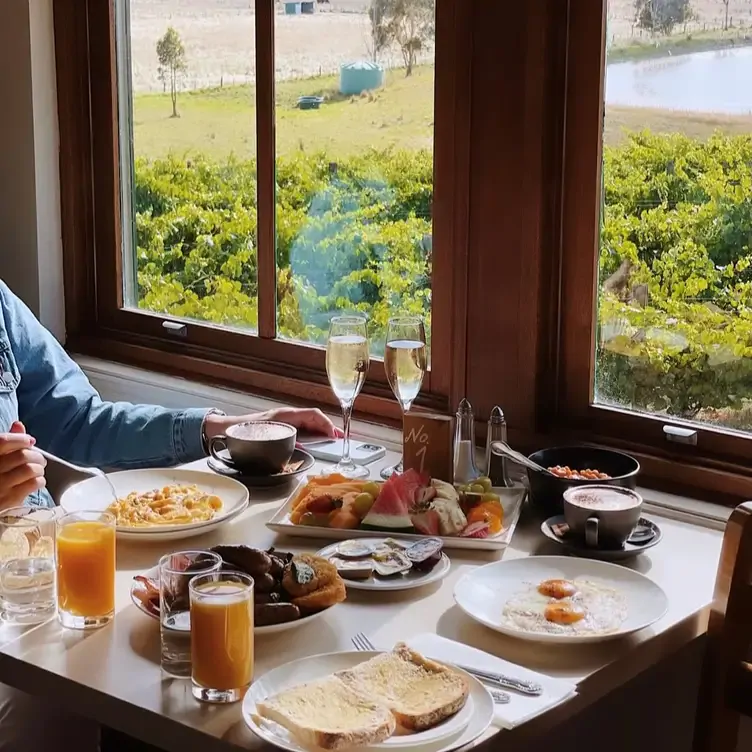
{"x": 560, "y": 599}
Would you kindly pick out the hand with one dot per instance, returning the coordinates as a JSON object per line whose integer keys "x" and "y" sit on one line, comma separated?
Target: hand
{"x": 21, "y": 467}
{"x": 310, "y": 420}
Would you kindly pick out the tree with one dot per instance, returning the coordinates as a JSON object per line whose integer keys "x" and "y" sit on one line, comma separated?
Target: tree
{"x": 410, "y": 24}
{"x": 726, "y": 20}
{"x": 380, "y": 35}
{"x": 171, "y": 54}
{"x": 661, "y": 16}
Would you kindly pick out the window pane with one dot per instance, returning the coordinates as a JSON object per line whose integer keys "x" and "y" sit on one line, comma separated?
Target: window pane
{"x": 354, "y": 117}
{"x": 675, "y": 303}
{"x": 188, "y": 160}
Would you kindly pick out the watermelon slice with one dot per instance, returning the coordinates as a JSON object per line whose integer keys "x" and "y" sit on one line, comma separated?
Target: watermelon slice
{"x": 390, "y": 511}
{"x": 411, "y": 484}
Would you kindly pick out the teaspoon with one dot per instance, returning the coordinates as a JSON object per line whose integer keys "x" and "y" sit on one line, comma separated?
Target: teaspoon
{"x": 502, "y": 449}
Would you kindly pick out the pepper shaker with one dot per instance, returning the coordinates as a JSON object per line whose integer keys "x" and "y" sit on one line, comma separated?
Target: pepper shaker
{"x": 465, "y": 469}
{"x": 496, "y": 466}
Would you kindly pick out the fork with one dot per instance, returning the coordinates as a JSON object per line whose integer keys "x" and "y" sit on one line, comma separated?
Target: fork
{"x": 363, "y": 644}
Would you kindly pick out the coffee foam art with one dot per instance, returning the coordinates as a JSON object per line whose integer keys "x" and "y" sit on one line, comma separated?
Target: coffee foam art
{"x": 603, "y": 498}
{"x": 260, "y": 431}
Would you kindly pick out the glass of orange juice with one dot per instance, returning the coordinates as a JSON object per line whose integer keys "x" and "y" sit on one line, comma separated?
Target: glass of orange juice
{"x": 221, "y": 636}
{"x": 85, "y": 559}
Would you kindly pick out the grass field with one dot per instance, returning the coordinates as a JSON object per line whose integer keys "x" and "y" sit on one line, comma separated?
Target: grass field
{"x": 678, "y": 44}
{"x": 220, "y": 122}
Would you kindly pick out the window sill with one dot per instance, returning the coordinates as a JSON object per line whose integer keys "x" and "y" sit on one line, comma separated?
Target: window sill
{"x": 120, "y": 382}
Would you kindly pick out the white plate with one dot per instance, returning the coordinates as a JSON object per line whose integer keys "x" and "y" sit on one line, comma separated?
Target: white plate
{"x": 153, "y": 574}
{"x": 94, "y": 494}
{"x": 407, "y": 581}
{"x": 478, "y": 709}
{"x": 482, "y": 593}
{"x": 511, "y": 501}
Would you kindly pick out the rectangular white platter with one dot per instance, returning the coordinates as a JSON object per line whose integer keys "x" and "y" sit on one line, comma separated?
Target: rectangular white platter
{"x": 511, "y": 499}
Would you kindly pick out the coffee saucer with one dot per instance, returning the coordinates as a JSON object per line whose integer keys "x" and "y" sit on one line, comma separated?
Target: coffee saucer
{"x": 647, "y": 534}
{"x": 299, "y": 463}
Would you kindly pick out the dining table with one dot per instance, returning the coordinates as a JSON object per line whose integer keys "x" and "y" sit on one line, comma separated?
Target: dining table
{"x": 113, "y": 674}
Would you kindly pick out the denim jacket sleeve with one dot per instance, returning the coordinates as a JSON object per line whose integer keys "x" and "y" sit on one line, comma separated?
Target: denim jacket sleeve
{"x": 66, "y": 415}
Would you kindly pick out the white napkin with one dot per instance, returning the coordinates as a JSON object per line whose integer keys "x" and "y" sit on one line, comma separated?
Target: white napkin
{"x": 522, "y": 708}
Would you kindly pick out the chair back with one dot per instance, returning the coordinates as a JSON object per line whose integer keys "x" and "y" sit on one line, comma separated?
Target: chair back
{"x": 726, "y": 686}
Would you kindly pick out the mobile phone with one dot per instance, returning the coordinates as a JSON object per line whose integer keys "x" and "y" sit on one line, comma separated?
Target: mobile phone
{"x": 330, "y": 450}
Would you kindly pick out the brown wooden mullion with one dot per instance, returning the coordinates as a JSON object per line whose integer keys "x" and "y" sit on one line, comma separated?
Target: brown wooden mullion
{"x": 265, "y": 174}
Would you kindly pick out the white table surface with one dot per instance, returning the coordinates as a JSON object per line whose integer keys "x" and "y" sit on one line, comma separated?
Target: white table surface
{"x": 113, "y": 674}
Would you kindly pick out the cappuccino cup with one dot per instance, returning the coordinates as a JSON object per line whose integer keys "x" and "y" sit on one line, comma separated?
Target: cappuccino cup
{"x": 259, "y": 448}
{"x": 604, "y": 516}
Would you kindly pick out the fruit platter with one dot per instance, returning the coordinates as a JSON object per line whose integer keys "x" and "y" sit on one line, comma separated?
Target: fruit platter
{"x": 410, "y": 505}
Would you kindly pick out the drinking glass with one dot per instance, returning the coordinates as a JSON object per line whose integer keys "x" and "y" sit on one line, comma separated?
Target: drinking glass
{"x": 221, "y": 636}
{"x": 175, "y": 573}
{"x": 405, "y": 361}
{"x": 27, "y": 565}
{"x": 347, "y": 362}
{"x": 86, "y": 569}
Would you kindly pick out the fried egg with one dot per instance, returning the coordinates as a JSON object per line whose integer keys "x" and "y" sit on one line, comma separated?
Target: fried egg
{"x": 566, "y": 607}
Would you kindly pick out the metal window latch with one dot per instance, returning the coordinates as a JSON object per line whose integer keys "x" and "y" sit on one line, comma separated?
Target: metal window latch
{"x": 680, "y": 435}
{"x": 175, "y": 328}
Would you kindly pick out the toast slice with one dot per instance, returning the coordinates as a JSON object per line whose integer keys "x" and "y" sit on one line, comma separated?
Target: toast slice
{"x": 329, "y": 714}
{"x": 421, "y": 693}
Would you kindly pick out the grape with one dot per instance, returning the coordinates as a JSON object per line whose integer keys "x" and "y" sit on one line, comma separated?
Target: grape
{"x": 372, "y": 489}
{"x": 362, "y": 504}
{"x": 485, "y": 482}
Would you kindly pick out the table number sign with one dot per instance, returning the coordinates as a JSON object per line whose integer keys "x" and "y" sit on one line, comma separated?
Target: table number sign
{"x": 427, "y": 444}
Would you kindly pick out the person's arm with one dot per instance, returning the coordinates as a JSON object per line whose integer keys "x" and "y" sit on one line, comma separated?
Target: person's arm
{"x": 66, "y": 415}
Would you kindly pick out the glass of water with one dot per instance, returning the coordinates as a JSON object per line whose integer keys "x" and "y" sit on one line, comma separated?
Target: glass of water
{"x": 175, "y": 573}
{"x": 27, "y": 565}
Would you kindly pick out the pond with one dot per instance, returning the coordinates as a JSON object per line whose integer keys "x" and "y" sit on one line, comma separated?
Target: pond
{"x": 715, "y": 81}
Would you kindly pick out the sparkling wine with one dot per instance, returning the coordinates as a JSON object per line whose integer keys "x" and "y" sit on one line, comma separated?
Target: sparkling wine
{"x": 347, "y": 365}
{"x": 405, "y": 363}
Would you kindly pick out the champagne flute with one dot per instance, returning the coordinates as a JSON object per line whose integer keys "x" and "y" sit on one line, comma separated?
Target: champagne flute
{"x": 405, "y": 361}
{"x": 347, "y": 361}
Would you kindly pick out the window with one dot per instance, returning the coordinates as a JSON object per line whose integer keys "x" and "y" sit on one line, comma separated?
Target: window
{"x": 493, "y": 190}
{"x": 354, "y": 165}
{"x": 659, "y": 352}
{"x": 272, "y": 164}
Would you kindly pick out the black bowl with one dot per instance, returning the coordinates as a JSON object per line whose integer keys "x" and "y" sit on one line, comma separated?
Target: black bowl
{"x": 546, "y": 493}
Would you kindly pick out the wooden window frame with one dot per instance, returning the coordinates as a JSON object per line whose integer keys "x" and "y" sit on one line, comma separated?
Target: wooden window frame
{"x": 97, "y": 321}
{"x": 516, "y": 209}
{"x": 720, "y": 462}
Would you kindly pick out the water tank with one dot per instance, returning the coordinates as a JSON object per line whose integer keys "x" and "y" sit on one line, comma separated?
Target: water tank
{"x": 292, "y": 9}
{"x": 363, "y": 75}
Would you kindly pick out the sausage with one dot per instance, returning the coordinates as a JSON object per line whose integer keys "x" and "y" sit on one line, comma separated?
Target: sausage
{"x": 249, "y": 560}
{"x": 265, "y": 583}
{"x": 278, "y": 566}
{"x": 267, "y": 614}
{"x": 262, "y": 599}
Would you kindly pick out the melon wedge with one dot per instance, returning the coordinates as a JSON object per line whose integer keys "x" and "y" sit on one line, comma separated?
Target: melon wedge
{"x": 391, "y": 510}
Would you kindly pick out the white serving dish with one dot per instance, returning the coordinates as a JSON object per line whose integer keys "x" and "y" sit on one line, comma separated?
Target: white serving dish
{"x": 408, "y": 581}
{"x": 460, "y": 729}
{"x": 511, "y": 500}
{"x": 153, "y": 574}
{"x": 482, "y": 593}
{"x": 95, "y": 494}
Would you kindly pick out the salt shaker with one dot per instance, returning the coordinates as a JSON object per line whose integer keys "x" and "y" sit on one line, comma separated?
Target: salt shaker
{"x": 465, "y": 470}
{"x": 496, "y": 466}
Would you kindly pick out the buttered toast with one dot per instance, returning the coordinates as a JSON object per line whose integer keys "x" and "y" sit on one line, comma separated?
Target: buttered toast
{"x": 419, "y": 692}
{"x": 329, "y": 714}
